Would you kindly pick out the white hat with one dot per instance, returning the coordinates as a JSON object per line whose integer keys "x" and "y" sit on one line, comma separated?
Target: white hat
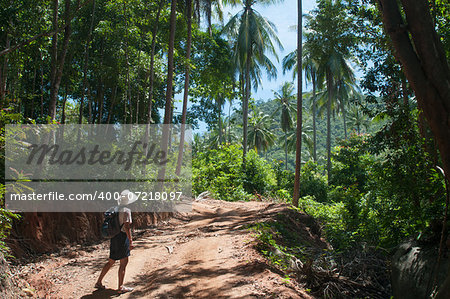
{"x": 127, "y": 197}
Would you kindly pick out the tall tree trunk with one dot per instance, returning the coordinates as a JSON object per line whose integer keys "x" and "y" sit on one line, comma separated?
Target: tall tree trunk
{"x": 344, "y": 116}
{"x": 152, "y": 71}
{"x": 424, "y": 63}
{"x": 298, "y": 146}
{"x": 86, "y": 62}
{"x": 89, "y": 104}
{"x": 229, "y": 122}
{"x": 219, "y": 118}
{"x": 101, "y": 101}
{"x": 285, "y": 150}
{"x": 329, "y": 92}
{"x": 113, "y": 102}
{"x": 209, "y": 16}
{"x": 245, "y": 105}
{"x": 138, "y": 94}
{"x": 54, "y": 58}
{"x": 42, "y": 85}
{"x": 152, "y": 62}
{"x": 4, "y": 74}
{"x": 418, "y": 48}
{"x": 33, "y": 89}
{"x": 186, "y": 85}
{"x": 314, "y": 119}
{"x": 58, "y": 59}
{"x": 168, "y": 105}
{"x": 124, "y": 99}
{"x": 63, "y": 112}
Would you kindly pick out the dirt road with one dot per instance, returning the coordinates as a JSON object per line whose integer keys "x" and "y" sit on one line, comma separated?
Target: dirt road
{"x": 204, "y": 254}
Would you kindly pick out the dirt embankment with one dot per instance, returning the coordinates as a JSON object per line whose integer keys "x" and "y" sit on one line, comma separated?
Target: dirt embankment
{"x": 49, "y": 232}
{"x": 209, "y": 253}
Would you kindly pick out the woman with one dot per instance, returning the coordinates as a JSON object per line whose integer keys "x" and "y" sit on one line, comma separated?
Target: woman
{"x": 121, "y": 244}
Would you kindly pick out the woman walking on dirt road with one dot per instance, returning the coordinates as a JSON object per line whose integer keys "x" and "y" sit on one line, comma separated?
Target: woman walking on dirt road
{"x": 121, "y": 244}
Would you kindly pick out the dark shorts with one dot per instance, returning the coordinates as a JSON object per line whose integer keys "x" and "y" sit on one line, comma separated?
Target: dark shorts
{"x": 119, "y": 247}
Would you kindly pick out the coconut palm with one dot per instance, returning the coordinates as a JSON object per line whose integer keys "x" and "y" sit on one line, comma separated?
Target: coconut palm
{"x": 330, "y": 41}
{"x": 208, "y": 7}
{"x": 336, "y": 68}
{"x": 214, "y": 139}
{"x": 260, "y": 137}
{"x": 253, "y": 36}
{"x": 284, "y": 98}
{"x": 186, "y": 84}
{"x": 168, "y": 99}
{"x": 310, "y": 66}
{"x": 346, "y": 89}
{"x": 358, "y": 120}
{"x": 298, "y": 151}
{"x": 232, "y": 134}
{"x": 290, "y": 141}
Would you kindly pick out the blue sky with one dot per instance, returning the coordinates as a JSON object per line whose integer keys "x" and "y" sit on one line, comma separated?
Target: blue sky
{"x": 284, "y": 16}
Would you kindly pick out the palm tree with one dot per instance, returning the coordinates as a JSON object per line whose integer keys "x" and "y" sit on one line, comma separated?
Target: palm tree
{"x": 254, "y": 35}
{"x": 329, "y": 41}
{"x": 345, "y": 90}
{"x": 152, "y": 62}
{"x": 186, "y": 84}
{"x": 298, "y": 152}
{"x": 207, "y": 7}
{"x": 284, "y": 99}
{"x": 214, "y": 138}
{"x": 291, "y": 140}
{"x": 310, "y": 66}
{"x": 357, "y": 119}
{"x": 151, "y": 76}
{"x": 336, "y": 68}
{"x": 168, "y": 102}
{"x": 260, "y": 137}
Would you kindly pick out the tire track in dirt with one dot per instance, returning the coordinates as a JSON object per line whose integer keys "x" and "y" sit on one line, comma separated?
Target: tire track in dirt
{"x": 212, "y": 256}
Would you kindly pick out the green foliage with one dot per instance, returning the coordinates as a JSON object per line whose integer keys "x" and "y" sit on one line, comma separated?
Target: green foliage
{"x": 312, "y": 183}
{"x": 212, "y": 80}
{"x": 6, "y": 219}
{"x": 267, "y": 235}
{"x": 382, "y": 203}
{"x": 260, "y": 137}
{"x": 6, "y": 216}
{"x": 258, "y": 174}
{"x": 406, "y": 188}
{"x": 331, "y": 216}
{"x": 285, "y": 178}
{"x": 351, "y": 162}
{"x": 220, "y": 171}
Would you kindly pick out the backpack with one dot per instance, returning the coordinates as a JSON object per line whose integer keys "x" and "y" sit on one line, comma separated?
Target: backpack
{"x": 111, "y": 225}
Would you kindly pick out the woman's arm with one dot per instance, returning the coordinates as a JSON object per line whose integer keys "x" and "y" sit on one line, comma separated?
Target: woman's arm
{"x": 127, "y": 227}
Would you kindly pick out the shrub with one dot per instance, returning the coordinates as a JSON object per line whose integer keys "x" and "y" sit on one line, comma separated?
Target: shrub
{"x": 312, "y": 183}
{"x": 220, "y": 171}
{"x": 6, "y": 216}
{"x": 351, "y": 162}
{"x": 258, "y": 174}
{"x": 331, "y": 217}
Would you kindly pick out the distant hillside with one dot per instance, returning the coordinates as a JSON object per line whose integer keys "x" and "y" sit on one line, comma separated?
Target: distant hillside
{"x": 337, "y": 132}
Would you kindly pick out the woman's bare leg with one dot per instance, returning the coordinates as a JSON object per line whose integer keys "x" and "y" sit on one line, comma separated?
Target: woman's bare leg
{"x": 122, "y": 267}
{"x": 105, "y": 270}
